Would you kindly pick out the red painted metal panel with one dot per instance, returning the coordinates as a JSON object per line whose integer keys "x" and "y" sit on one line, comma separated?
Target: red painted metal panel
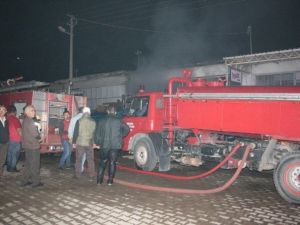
{"x": 277, "y": 118}
{"x": 12, "y": 97}
{"x": 241, "y": 89}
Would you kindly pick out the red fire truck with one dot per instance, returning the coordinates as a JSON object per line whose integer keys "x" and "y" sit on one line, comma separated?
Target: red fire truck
{"x": 49, "y": 110}
{"x": 197, "y": 121}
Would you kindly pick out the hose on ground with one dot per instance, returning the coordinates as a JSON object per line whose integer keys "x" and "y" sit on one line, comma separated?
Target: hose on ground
{"x": 174, "y": 177}
{"x": 192, "y": 191}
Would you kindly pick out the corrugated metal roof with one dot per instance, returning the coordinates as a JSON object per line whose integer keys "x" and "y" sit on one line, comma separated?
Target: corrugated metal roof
{"x": 96, "y": 75}
{"x": 263, "y": 57}
{"x": 23, "y": 86}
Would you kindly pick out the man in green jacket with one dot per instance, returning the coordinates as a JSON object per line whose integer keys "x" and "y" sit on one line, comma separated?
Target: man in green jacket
{"x": 83, "y": 141}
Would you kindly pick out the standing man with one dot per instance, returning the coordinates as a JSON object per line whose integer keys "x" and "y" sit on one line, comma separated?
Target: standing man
{"x": 109, "y": 138}
{"x": 65, "y": 160}
{"x": 73, "y": 123}
{"x": 31, "y": 145}
{"x": 4, "y": 138}
{"x": 71, "y": 132}
{"x": 15, "y": 135}
{"x": 83, "y": 140}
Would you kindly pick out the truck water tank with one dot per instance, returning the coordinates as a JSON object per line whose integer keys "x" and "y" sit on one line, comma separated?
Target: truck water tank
{"x": 199, "y": 82}
{"x": 218, "y": 83}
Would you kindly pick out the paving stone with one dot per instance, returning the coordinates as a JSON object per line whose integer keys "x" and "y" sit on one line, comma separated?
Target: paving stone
{"x": 64, "y": 200}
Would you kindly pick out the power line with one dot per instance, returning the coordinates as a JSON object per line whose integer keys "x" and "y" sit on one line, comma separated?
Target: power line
{"x": 125, "y": 12}
{"x": 154, "y": 31}
{"x": 114, "y": 9}
{"x": 144, "y": 9}
{"x": 145, "y": 17}
{"x": 145, "y": 14}
{"x": 95, "y": 7}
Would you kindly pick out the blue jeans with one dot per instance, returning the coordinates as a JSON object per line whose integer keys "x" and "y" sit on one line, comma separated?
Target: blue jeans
{"x": 65, "y": 159}
{"x": 13, "y": 154}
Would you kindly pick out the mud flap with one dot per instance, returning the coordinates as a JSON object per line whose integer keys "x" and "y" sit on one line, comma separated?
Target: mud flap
{"x": 162, "y": 150}
{"x": 164, "y": 158}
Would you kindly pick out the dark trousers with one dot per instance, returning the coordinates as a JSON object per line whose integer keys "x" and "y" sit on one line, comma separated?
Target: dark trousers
{"x": 3, "y": 154}
{"x": 80, "y": 151}
{"x": 110, "y": 157}
{"x": 32, "y": 166}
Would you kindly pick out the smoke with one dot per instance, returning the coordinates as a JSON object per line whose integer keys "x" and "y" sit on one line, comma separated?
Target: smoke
{"x": 178, "y": 43}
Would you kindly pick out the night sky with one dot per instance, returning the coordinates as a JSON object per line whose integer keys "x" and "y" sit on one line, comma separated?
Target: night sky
{"x": 109, "y": 33}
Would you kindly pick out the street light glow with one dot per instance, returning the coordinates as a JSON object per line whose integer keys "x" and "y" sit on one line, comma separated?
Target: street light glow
{"x": 62, "y": 29}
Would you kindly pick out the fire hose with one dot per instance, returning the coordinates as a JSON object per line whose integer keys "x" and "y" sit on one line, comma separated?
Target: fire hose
{"x": 202, "y": 175}
{"x": 192, "y": 191}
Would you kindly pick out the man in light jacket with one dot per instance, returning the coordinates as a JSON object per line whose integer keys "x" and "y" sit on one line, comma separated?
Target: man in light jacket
{"x": 83, "y": 141}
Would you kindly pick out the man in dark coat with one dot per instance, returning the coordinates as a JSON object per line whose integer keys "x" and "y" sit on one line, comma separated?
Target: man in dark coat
{"x": 31, "y": 144}
{"x": 4, "y": 137}
{"x": 109, "y": 139}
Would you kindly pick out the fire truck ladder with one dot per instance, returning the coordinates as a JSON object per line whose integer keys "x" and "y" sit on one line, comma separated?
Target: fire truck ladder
{"x": 171, "y": 118}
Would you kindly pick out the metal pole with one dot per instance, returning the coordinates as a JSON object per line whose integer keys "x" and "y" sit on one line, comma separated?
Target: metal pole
{"x": 72, "y": 24}
{"x": 138, "y": 53}
{"x": 249, "y": 31}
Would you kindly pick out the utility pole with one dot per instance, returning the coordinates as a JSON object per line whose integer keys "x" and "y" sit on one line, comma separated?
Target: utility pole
{"x": 72, "y": 23}
{"x": 249, "y": 32}
{"x": 138, "y": 54}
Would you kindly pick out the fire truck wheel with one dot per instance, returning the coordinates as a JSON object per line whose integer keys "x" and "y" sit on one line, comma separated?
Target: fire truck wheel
{"x": 287, "y": 177}
{"x": 145, "y": 155}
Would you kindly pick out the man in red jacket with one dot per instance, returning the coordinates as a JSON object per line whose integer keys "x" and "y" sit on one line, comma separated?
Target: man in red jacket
{"x": 65, "y": 160}
{"x": 15, "y": 133}
{"x": 4, "y": 138}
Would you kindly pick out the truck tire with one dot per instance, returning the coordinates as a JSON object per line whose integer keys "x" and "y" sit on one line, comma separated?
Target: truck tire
{"x": 145, "y": 155}
{"x": 287, "y": 177}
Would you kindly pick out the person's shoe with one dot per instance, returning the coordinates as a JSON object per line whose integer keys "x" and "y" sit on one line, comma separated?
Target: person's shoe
{"x": 22, "y": 183}
{"x": 69, "y": 167}
{"x": 14, "y": 170}
{"x": 99, "y": 179}
{"x": 40, "y": 184}
{"x": 60, "y": 168}
{"x": 109, "y": 182}
{"x": 77, "y": 176}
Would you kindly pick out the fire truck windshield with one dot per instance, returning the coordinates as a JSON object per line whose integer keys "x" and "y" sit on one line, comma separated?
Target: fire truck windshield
{"x": 137, "y": 106}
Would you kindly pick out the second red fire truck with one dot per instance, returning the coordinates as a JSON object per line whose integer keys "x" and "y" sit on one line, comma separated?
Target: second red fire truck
{"x": 197, "y": 121}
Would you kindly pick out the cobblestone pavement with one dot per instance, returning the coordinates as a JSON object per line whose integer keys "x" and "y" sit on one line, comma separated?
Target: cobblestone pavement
{"x": 64, "y": 200}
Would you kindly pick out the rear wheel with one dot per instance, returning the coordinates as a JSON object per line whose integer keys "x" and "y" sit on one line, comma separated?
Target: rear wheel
{"x": 287, "y": 177}
{"x": 145, "y": 155}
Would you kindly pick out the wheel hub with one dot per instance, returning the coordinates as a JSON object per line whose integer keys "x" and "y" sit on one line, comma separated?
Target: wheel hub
{"x": 295, "y": 177}
{"x": 142, "y": 155}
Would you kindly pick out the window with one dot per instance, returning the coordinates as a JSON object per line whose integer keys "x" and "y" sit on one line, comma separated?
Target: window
{"x": 276, "y": 80}
{"x": 138, "y": 106}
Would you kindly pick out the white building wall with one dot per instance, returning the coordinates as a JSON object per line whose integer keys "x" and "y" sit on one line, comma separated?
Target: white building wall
{"x": 281, "y": 67}
{"x": 100, "y": 88}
